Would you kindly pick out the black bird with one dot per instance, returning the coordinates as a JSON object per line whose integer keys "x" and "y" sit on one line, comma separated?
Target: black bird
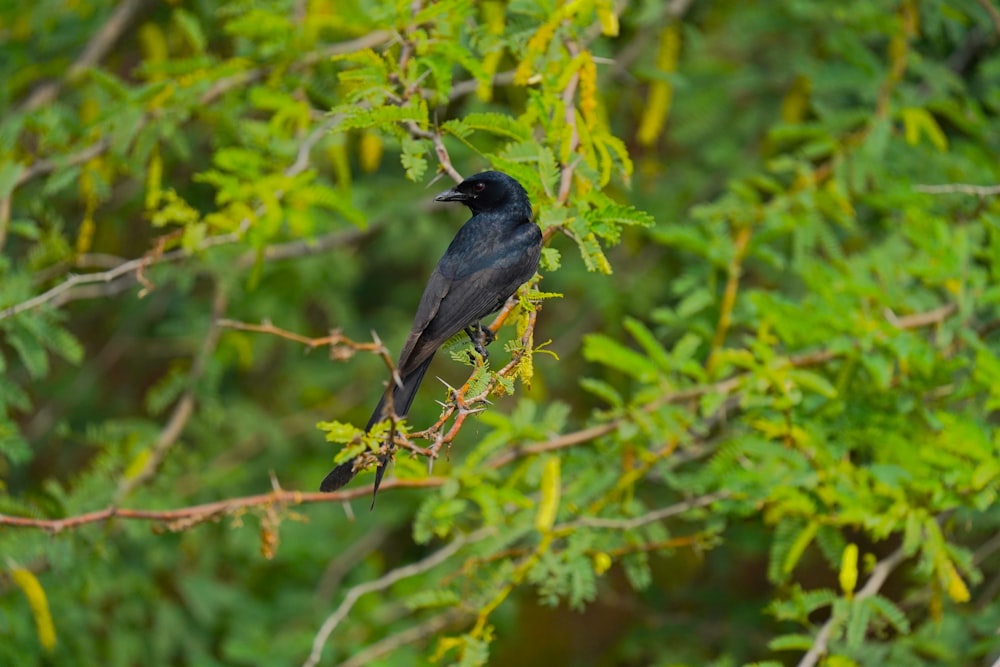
{"x": 493, "y": 254}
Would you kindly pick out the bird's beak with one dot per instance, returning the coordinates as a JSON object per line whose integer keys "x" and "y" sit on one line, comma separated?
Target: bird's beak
{"x": 453, "y": 195}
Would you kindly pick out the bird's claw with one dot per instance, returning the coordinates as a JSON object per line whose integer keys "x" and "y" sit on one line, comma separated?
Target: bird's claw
{"x": 481, "y": 337}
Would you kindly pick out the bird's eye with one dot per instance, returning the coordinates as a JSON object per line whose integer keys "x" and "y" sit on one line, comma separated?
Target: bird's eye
{"x": 479, "y": 186}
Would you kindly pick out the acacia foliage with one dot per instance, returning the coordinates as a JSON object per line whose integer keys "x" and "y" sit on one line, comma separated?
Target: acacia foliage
{"x": 768, "y": 436}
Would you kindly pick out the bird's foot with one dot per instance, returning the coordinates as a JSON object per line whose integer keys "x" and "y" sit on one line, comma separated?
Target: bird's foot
{"x": 481, "y": 337}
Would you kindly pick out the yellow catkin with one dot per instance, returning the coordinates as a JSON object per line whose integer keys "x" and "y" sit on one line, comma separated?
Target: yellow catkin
{"x": 588, "y": 89}
{"x": 370, "y": 151}
{"x": 32, "y": 589}
{"x": 336, "y": 153}
{"x": 548, "y": 506}
{"x": 154, "y": 46}
{"x": 536, "y": 46}
{"x": 602, "y": 563}
{"x": 849, "y": 570}
{"x": 607, "y": 18}
{"x": 796, "y": 100}
{"x": 660, "y": 90}
{"x": 495, "y": 20}
{"x": 154, "y": 179}
{"x": 955, "y": 585}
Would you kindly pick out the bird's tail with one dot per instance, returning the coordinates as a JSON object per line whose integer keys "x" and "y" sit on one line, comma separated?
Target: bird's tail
{"x": 402, "y": 399}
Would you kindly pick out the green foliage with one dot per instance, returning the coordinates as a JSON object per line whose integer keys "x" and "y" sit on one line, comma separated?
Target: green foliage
{"x": 766, "y": 422}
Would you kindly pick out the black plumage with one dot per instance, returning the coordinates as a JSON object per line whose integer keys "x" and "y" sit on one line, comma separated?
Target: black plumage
{"x": 494, "y": 253}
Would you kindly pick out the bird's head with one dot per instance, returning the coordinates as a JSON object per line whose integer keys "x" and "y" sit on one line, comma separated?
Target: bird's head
{"x": 489, "y": 191}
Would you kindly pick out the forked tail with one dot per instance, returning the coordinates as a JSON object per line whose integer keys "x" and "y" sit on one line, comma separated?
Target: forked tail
{"x": 402, "y": 399}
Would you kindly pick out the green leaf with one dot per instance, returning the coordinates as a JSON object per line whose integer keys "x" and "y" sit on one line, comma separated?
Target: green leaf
{"x": 13, "y": 446}
{"x": 791, "y": 642}
{"x": 413, "y": 159}
{"x": 31, "y": 353}
{"x": 888, "y": 610}
{"x": 647, "y": 341}
{"x": 604, "y": 391}
{"x": 859, "y": 615}
{"x": 601, "y": 349}
{"x": 498, "y": 124}
{"x": 813, "y": 382}
{"x": 190, "y": 27}
{"x": 590, "y": 250}
{"x": 550, "y": 259}
{"x": 431, "y": 598}
{"x": 358, "y": 117}
{"x": 798, "y": 547}
{"x": 341, "y": 432}
{"x": 9, "y": 173}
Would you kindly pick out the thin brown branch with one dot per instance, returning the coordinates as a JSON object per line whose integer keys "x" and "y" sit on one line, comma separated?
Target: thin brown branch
{"x": 385, "y": 581}
{"x": 302, "y": 157}
{"x": 439, "y": 148}
{"x": 658, "y": 545}
{"x": 919, "y": 320}
{"x": 960, "y": 188}
{"x": 734, "y": 272}
{"x": 569, "y": 109}
{"x": 61, "y": 293}
{"x": 444, "y": 159}
{"x": 345, "y": 560}
{"x": 559, "y": 442}
{"x": 415, "y": 131}
{"x": 48, "y": 165}
{"x": 341, "y": 347}
{"x": 986, "y": 549}
{"x": 879, "y": 574}
{"x": 371, "y": 654}
{"x": 98, "y": 46}
{"x": 677, "y": 8}
{"x": 642, "y": 520}
{"x": 124, "y": 274}
{"x": 131, "y": 269}
{"x": 184, "y": 517}
{"x": 4, "y": 219}
{"x": 469, "y": 86}
{"x": 994, "y": 13}
{"x": 216, "y": 91}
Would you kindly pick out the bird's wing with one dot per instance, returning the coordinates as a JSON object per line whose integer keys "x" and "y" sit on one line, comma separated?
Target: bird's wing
{"x": 457, "y": 304}
{"x": 434, "y": 293}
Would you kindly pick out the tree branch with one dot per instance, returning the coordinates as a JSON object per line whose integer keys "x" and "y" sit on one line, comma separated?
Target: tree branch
{"x": 994, "y": 13}
{"x": 649, "y": 517}
{"x": 879, "y": 574}
{"x": 735, "y": 270}
{"x": 217, "y": 90}
{"x": 98, "y": 46}
{"x": 387, "y": 645}
{"x": 341, "y": 347}
{"x": 384, "y": 582}
{"x": 184, "y": 517}
{"x": 960, "y": 188}
{"x": 124, "y": 274}
{"x": 569, "y": 111}
{"x": 724, "y": 387}
{"x": 4, "y": 219}
{"x": 199, "y": 513}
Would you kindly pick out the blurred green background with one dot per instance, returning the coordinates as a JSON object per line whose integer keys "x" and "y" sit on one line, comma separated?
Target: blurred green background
{"x": 775, "y": 230}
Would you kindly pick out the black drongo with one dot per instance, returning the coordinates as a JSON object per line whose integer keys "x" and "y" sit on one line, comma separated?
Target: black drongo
{"x": 493, "y": 254}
